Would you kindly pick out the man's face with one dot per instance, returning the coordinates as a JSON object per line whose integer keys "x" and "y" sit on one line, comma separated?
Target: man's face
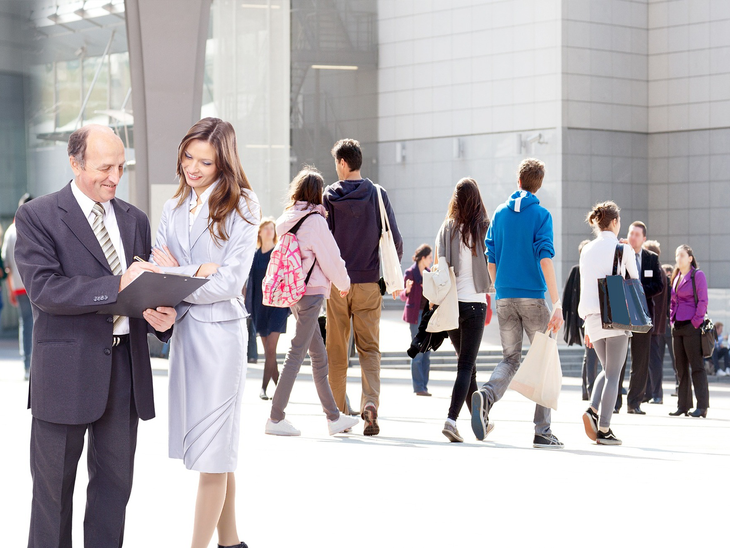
{"x": 342, "y": 169}
{"x": 103, "y": 166}
{"x": 636, "y": 237}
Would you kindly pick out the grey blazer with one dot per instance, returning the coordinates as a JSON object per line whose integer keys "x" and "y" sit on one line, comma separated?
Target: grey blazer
{"x": 221, "y": 298}
{"x": 447, "y": 245}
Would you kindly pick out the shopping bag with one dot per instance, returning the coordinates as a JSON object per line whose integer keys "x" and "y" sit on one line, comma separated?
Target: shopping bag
{"x": 437, "y": 282}
{"x": 389, "y": 261}
{"x": 622, "y": 300}
{"x": 446, "y": 316}
{"x": 540, "y": 376}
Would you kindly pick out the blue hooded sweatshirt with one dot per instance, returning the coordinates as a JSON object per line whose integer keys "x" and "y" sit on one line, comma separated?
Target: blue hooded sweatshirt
{"x": 519, "y": 236}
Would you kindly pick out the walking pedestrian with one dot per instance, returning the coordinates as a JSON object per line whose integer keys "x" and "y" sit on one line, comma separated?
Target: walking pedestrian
{"x": 413, "y": 312}
{"x": 268, "y": 321}
{"x": 596, "y": 262}
{"x": 460, "y": 242}
{"x": 208, "y": 229}
{"x": 520, "y": 250}
{"x": 687, "y": 313}
{"x": 321, "y": 260}
{"x": 354, "y": 218}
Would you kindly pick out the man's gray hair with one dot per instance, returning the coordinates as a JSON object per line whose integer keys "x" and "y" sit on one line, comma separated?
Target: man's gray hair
{"x": 77, "y": 145}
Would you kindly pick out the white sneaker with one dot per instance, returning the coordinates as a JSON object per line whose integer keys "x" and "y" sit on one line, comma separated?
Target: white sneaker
{"x": 281, "y": 428}
{"x": 721, "y": 373}
{"x": 342, "y": 424}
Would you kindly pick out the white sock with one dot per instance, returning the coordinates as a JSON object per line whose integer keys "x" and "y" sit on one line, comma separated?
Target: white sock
{"x": 452, "y": 423}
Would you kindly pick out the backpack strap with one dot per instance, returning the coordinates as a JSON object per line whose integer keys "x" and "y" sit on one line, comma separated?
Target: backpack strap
{"x": 293, "y": 230}
{"x": 694, "y": 287}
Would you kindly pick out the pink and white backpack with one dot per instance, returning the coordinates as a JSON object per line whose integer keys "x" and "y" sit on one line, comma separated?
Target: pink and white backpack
{"x": 284, "y": 283}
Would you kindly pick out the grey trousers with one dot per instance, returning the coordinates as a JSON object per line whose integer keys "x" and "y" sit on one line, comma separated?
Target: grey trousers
{"x": 516, "y": 318}
{"x": 612, "y": 353}
{"x": 307, "y": 337}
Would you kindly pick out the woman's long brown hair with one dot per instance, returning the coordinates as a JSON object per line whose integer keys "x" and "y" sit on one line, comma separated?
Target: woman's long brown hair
{"x": 692, "y": 263}
{"x": 232, "y": 181}
{"x": 467, "y": 211}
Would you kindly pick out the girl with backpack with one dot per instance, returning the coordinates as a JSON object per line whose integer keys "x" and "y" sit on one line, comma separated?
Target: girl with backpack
{"x": 320, "y": 259}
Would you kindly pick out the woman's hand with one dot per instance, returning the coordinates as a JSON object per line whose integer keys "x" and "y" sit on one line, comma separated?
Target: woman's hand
{"x": 588, "y": 342}
{"x": 207, "y": 269}
{"x": 163, "y": 257}
{"x": 409, "y": 285}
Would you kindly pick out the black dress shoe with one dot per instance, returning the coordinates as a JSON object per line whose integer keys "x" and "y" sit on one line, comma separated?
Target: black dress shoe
{"x": 699, "y": 413}
{"x": 677, "y": 413}
{"x": 635, "y": 411}
{"x": 241, "y": 545}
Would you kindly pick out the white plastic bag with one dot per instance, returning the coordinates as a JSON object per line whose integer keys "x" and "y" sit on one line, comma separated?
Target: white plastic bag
{"x": 437, "y": 282}
{"x": 389, "y": 261}
{"x": 446, "y": 316}
{"x": 540, "y": 376}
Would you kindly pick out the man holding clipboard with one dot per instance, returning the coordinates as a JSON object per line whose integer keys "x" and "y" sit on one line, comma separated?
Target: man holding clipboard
{"x": 90, "y": 371}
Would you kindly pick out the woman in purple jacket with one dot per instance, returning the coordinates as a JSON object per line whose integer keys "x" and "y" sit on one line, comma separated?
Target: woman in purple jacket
{"x": 415, "y": 301}
{"x": 687, "y": 312}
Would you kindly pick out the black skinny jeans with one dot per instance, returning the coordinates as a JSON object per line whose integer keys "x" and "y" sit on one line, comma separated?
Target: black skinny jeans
{"x": 466, "y": 340}
{"x": 689, "y": 360}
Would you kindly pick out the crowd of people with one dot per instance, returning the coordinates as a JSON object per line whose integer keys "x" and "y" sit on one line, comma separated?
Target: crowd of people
{"x": 81, "y": 246}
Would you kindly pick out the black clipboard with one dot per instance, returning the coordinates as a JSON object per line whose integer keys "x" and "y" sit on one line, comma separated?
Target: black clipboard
{"x": 150, "y": 290}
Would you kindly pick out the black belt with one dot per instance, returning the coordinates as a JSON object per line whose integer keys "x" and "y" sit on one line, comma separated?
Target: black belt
{"x": 120, "y": 339}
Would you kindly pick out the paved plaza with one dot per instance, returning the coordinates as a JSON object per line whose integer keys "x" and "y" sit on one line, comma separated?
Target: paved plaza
{"x": 668, "y": 485}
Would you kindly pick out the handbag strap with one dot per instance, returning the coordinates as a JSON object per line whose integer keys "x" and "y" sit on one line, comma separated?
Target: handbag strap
{"x": 381, "y": 205}
{"x": 694, "y": 287}
{"x": 618, "y": 257}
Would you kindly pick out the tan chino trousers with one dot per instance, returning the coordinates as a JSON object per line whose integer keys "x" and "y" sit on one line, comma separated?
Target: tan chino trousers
{"x": 362, "y": 304}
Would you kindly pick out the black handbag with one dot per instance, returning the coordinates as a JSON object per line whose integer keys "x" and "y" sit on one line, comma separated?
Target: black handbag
{"x": 708, "y": 333}
{"x": 622, "y": 300}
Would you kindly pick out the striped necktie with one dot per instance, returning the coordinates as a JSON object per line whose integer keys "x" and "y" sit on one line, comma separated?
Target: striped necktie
{"x": 106, "y": 245}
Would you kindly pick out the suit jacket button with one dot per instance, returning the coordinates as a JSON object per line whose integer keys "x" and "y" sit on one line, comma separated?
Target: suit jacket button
{"x": 107, "y": 351}
{"x": 110, "y": 319}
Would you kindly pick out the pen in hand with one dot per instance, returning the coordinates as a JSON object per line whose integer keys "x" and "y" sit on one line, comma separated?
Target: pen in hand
{"x": 139, "y": 259}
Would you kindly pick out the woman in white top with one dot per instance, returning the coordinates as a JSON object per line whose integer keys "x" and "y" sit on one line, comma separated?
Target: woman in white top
{"x": 460, "y": 243}
{"x": 596, "y": 262}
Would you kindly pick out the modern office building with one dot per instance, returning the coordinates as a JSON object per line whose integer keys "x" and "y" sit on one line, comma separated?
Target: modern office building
{"x": 626, "y": 100}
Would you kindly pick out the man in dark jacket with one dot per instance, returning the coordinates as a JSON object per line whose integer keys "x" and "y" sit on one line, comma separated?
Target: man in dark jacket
{"x": 652, "y": 278}
{"x": 354, "y": 219}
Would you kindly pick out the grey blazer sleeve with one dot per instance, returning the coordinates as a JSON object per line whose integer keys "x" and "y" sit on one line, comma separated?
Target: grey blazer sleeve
{"x": 43, "y": 276}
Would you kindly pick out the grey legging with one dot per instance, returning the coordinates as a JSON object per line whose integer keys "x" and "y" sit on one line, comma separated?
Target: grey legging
{"x": 612, "y": 353}
{"x": 307, "y": 337}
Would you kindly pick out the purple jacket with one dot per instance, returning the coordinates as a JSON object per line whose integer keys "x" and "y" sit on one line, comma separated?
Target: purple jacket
{"x": 414, "y": 298}
{"x": 682, "y": 306}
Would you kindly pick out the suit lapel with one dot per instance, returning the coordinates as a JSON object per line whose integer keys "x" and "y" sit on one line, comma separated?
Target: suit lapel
{"x": 200, "y": 225}
{"x": 127, "y": 229}
{"x": 74, "y": 219}
{"x": 181, "y": 231}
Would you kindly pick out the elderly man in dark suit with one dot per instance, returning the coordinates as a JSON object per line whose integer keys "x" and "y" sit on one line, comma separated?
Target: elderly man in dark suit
{"x": 652, "y": 279}
{"x": 90, "y": 372}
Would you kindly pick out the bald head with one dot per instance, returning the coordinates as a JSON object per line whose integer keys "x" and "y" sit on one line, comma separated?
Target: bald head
{"x": 96, "y": 154}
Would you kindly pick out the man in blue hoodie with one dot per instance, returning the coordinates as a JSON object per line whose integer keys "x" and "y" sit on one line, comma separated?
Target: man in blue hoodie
{"x": 520, "y": 251}
{"x": 353, "y": 215}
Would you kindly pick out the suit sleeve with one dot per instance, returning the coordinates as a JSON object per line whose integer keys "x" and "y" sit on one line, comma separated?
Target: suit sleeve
{"x": 654, "y": 284}
{"x": 43, "y": 275}
{"x": 702, "y": 300}
{"x": 228, "y": 282}
{"x": 161, "y": 240}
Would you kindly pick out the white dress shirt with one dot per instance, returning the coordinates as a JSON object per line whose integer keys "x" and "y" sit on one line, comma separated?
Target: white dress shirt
{"x": 596, "y": 262}
{"x": 112, "y": 228}
{"x": 194, "y": 201}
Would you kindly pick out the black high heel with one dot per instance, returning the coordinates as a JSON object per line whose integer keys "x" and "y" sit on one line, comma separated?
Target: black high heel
{"x": 678, "y": 412}
{"x": 699, "y": 413}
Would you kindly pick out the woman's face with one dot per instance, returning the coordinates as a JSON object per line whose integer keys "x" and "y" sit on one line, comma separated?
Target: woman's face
{"x": 683, "y": 259}
{"x": 267, "y": 233}
{"x": 427, "y": 260}
{"x": 198, "y": 163}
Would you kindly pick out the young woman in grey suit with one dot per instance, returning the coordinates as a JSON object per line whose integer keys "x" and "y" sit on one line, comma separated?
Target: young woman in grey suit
{"x": 209, "y": 229}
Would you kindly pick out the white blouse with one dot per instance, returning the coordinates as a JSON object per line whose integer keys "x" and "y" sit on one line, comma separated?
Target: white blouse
{"x": 596, "y": 262}
{"x": 194, "y": 201}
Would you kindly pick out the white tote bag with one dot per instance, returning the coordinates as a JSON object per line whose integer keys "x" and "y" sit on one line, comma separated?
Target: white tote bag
{"x": 389, "y": 261}
{"x": 446, "y": 316}
{"x": 437, "y": 282}
{"x": 540, "y": 376}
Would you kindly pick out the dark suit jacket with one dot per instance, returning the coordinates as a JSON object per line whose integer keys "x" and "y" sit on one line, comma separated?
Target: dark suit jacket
{"x": 653, "y": 283}
{"x": 67, "y": 278}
